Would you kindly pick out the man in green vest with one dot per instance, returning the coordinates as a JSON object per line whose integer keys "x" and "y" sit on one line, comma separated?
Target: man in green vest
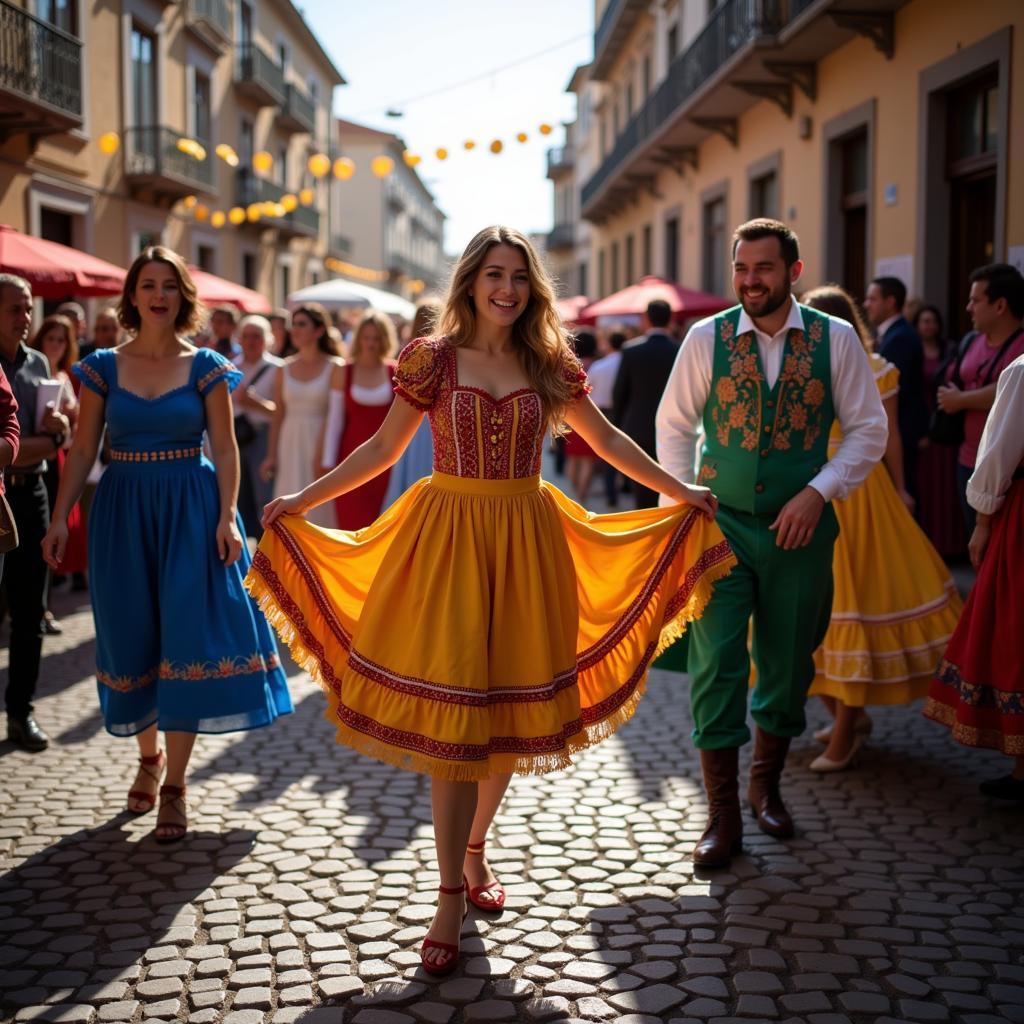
{"x": 759, "y": 387}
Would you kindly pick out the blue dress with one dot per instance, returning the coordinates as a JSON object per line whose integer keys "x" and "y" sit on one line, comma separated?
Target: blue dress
{"x": 178, "y": 640}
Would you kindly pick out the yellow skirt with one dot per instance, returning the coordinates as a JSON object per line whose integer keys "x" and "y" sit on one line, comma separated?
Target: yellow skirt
{"x": 895, "y": 603}
{"x": 485, "y": 626}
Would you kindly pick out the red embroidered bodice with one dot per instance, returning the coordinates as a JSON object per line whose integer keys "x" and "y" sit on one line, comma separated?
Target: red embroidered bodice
{"x": 476, "y": 435}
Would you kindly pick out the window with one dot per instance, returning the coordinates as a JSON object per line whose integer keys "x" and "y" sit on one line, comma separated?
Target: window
{"x": 853, "y": 202}
{"x": 582, "y": 277}
{"x": 282, "y": 167}
{"x": 201, "y": 109}
{"x": 246, "y": 143}
{"x": 61, "y": 13}
{"x": 673, "y": 42}
{"x": 764, "y": 195}
{"x": 286, "y": 281}
{"x": 282, "y": 55}
{"x": 205, "y": 258}
{"x": 647, "y": 77}
{"x": 143, "y": 78}
{"x": 601, "y": 277}
{"x": 249, "y": 269}
{"x": 615, "y": 266}
{"x": 645, "y": 252}
{"x": 672, "y": 249}
{"x": 244, "y": 24}
{"x": 630, "y": 254}
{"x": 714, "y": 246}
{"x": 629, "y": 100}
{"x": 144, "y": 239}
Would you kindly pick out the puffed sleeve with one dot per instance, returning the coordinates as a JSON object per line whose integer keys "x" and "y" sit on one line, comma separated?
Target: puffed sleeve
{"x": 887, "y": 376}
{"x": 212, "y": 368}
{"x": 576, "y": 376}
{"x": 92, "y": 371}
{"x": 419, "y": 372}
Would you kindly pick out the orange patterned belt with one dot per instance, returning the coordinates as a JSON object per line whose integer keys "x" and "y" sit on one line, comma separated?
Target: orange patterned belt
{"x": 170, "y": 453}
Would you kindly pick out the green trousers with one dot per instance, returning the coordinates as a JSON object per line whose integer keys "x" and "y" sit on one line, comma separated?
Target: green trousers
{"x": 788, "y": 594}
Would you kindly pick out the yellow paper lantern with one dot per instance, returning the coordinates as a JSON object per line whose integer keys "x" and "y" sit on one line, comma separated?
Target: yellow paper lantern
{"x": 469, "y": 144}
{"x": 344, "y": 168}
{"x": 441, "y": 153}
{"x": 545, "y": 129}
{"x": 411, "y": 159}
{"x": 289, "y": 202}
{"x": 217, "y": 219}
{"x": 253, "y": 212}
{"x": 269, "y": 208}
{"x": 279, "y": 210}
{"x": 319, "y": 164}
{"x": 198, "y": 151}
{"x": 263, "y": 161}
{"x": 201, "y": 212}
{"x": 307, "y": 197}
{"x": 236, "y": 215}
{"x": 189, "y": 202}
{"x": 109, "y": 143}
{"x": 227, "y": 154}
{"x": 382, "y": 166}
{"x": 497, "y": 146}
{"x": 522, "y": 137}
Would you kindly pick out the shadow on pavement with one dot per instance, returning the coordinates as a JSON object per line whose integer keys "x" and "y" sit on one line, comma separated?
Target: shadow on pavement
{"x": 86, "y": 909}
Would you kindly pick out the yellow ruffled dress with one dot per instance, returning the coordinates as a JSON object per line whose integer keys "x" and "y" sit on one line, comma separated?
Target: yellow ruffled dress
{"x": 484, "y": 623}
{"x": 895, "y": 603}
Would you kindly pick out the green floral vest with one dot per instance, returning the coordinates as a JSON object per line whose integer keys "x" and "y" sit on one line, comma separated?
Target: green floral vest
{"x": 762, "y": 445}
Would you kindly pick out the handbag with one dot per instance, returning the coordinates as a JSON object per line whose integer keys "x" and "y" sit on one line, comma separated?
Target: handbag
{"x": 8, "y": 527}
{"x": 245, "y": 432}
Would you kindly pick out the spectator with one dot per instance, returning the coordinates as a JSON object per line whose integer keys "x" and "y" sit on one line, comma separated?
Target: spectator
{"x": 643, "y": 373}
{"x": 106, "y": 332}
{"x": 10, "y": 437}
{"x": 898, "y": 342}
{"x": 602, "y": 374}
{"x": 938, "y": 510}
{"x": 580, "y": 458}
{"x": 280, "y": 326}
{"x": 25, "y": 572}
{"x": 223, "y": 323}
{"x": 301, "y": 396}
{"x": 76, "y": 314}
{"x": 996, "y": 305}
{"x": 360, "y": 398}
{"x": 254, "y": 409}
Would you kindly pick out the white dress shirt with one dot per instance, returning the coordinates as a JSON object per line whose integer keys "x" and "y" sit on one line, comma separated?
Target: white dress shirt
{"x": 1002, "y": 443}
{"x": 602, "y": 374}
{"x": 854, "y": 394}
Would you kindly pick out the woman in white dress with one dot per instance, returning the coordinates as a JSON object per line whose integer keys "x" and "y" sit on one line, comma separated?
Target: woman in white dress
{"x": 301, "y": 395}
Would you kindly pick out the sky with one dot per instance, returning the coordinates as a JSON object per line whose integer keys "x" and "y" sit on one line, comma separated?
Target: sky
{"x": 392, "y": 52}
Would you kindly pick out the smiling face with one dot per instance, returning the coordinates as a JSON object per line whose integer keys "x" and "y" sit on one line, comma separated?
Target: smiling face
{"x": 157, "y": 296}
{"x": 501, "y": 288}
{"x": 760, "y": 277}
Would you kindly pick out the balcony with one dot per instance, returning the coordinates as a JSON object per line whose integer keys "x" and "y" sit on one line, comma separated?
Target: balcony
{"x": 748, "y": 51}
{"x": 303, "y": 220}
{"x": 341, "y": 245}
{"x": 399, "y": 265}
{"x": 259, "y": 77}
{"x": 617, "y": 22}
{"x": 298, "y": 114}
{"x": 40, "y": 76}
{"x": 211, "y": 21}
{"x": 560, "y": 160}
{"x": 561, "y": 237}
{"x": 156, "y": 167}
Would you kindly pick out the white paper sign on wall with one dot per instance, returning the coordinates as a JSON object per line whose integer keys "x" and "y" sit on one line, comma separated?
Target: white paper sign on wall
{"x": 897, "y": 266}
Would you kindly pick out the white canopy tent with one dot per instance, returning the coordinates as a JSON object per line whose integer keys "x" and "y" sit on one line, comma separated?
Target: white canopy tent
{"x": 341, "y": 294}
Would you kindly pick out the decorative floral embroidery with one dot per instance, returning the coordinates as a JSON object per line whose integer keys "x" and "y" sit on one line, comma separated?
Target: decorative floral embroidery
{"x": 223, "y": 668}
{"x": 707, "y": 472}
{"x": 800, "y": 397}
{"x": 739, "y": 394}
{"x": 218, "y": 371}
{"x": 979, "y": 696}
{"x": 85, "y": 371}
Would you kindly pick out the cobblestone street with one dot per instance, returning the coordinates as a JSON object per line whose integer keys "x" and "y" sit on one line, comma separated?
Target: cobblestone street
{"x": 308, "y": 880}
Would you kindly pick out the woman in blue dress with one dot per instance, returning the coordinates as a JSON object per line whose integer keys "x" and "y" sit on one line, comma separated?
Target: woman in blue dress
{"x": 180, "y": 646}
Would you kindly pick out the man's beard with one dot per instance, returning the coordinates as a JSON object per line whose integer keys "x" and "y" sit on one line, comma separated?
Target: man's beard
{"x": 766, "y": 304}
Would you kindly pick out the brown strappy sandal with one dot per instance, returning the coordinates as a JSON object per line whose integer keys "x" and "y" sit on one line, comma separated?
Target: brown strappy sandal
{"x": 172, "y": 831}
{"x": 153, "y": 767}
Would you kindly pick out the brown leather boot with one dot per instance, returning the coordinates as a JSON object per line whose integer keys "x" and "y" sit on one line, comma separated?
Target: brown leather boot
{"x": 723, "y": 837}
{"x": 764, "y": 796}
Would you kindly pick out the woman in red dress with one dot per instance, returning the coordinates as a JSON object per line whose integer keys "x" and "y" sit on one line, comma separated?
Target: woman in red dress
{"x": 361, "y": 394}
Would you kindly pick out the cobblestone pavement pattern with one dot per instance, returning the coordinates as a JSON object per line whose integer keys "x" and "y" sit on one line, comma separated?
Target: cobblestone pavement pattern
{"x": 308, "y": 881}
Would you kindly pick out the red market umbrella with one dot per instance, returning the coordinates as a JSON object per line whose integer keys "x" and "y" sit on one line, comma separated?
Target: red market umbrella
{"x": 216, "y": 291}
{"x": 569, "y": 309}
{"x": 56, "y": 271}
{"x": 684, "y": 302}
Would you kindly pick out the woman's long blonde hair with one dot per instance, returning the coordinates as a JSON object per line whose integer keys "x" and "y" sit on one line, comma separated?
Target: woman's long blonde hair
{"x": 542, "y": 343}
{"x": 385, "y": 328}
{"x": 837, "y": 302}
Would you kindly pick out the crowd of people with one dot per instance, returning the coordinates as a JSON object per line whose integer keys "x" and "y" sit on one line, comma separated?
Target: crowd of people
{"x": 797, "y": 475}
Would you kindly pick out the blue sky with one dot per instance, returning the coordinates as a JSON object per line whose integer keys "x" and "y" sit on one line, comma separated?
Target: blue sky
{"x": 394, "y": 51}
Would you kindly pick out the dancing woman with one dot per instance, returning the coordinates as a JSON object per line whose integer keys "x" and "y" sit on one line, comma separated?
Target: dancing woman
{"x": 485, "y": 624}
{"x": 179, "y": 646}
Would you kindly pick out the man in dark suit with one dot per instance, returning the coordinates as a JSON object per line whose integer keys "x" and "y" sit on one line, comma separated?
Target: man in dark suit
{"x": 900, "y": 344}
{"x": 645, "y": 368}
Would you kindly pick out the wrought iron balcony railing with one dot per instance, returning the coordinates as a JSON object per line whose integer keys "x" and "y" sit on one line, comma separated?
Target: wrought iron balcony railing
{"x": 560, "y": 158}
{"x": 561, "y": 236}
{"x": 260, "y": 75}
{"x": 153, "y": 156}
{"x": 214, "y": 13}
{"x": 250, "y": 188}
{"x": 298, "y": 111}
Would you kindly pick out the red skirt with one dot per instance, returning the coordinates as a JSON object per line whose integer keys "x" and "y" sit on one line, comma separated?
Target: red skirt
{"x": 978, "y": 690}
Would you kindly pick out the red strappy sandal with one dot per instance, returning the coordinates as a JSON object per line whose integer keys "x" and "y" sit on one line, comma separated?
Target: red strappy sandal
{"x": 449, "y": 965}
{"x": 157, "y": 762}
{"x": 173, "y": 831}
{"x": 488, "y": 906}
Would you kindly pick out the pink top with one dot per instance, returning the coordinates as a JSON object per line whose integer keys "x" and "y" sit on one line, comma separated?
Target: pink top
{"x": 475, "y": 434}
{"x": 974, "y": 370}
